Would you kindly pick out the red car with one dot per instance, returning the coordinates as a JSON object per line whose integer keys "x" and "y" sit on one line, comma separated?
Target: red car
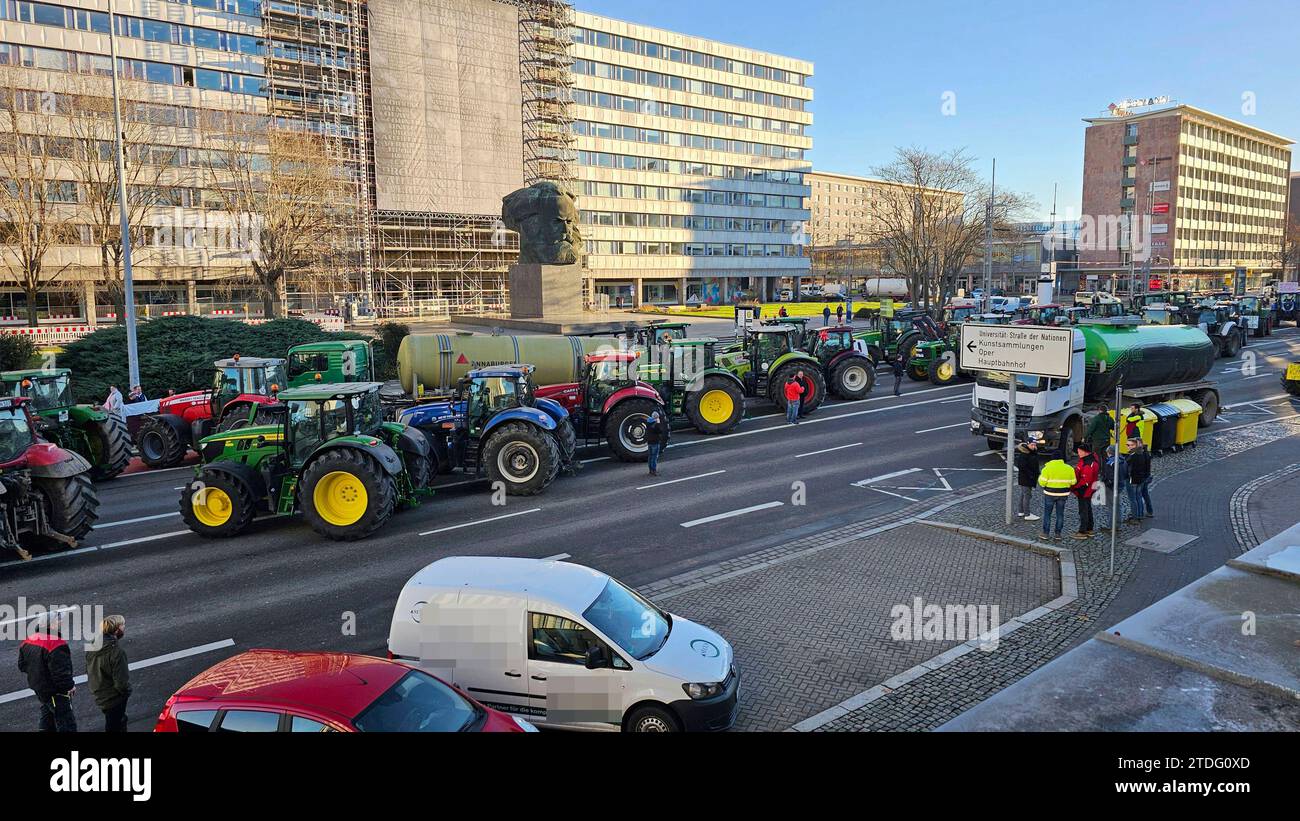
{"x": 268, "y": 691}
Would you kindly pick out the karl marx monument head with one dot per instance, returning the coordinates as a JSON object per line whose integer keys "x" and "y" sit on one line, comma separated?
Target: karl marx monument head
{"x": 546, "y": 218}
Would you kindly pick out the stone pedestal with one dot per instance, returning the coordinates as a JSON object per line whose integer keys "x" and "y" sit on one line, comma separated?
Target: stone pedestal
{"x": 545, "y": 290}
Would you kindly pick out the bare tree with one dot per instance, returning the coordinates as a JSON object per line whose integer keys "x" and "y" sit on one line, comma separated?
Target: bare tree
{"x": 36, "y": 205}
{"x": 931, "y": 222}
{"x": 289, "y": 193}
{"x": 90, "y": 111}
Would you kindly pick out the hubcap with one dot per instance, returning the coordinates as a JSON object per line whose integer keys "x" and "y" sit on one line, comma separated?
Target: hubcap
{"x": 855, "y": 378}
{"x": 653, "y": 724}
{"x": 212, "y": 506}
{"x": 152, "y": 445}
{"x": 341, "y": 498}
{"x": 716, "y": 407}
{"x": 632, "y": 433}
{"x": 518, "y": 461}
{"x": 945, "y": 371}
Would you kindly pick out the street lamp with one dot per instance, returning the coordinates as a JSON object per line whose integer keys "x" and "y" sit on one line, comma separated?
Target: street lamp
{"x": 124, "y": 218}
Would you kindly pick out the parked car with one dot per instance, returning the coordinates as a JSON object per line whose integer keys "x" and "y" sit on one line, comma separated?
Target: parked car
{"x": 564, "y": 645}
{"x": 268, "y": 691}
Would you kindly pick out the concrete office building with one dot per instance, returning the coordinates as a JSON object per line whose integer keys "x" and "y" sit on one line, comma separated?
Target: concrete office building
{"x": 691, "y": 164}
{"x": 1213, "y": 190}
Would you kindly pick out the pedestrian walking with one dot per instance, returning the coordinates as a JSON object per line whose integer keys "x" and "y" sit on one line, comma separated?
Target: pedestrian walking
{"x": 899, "y": 368}
{"x": 1027, "y": 470}
{"x": 1087, "y": 476}
{"x": 657, "y": 432}
{"x": 109, "y": 675}
{"x": 1113, "y": 456}
{"x": 826, "y": 316}
{"x": 45, "y": 658}
{"x": 839, "y": 314}
{"x": 1056, "y": 479}
{"x": 1139, "y": 482}
{"x": 1100, "y": 428}
{"x": 113, "y": 402}
{"x": 794, "y": 390}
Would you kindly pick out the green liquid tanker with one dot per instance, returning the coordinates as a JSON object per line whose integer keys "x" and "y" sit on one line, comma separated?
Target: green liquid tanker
{"x": 437, "y": 361}
{"x": 1143, "y": 356}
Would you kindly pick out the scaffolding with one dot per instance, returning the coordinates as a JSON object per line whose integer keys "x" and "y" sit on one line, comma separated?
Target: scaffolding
{"x": 546, "y": 67}
{"x": 461, "y": 260}
{"x": 316, "y": 79}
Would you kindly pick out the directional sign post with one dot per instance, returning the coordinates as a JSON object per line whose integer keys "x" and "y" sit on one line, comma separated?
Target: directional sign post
{"x": 1016, "y": 350}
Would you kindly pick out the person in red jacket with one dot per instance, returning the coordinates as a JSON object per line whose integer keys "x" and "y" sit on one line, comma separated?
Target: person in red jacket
{"x": 47, "y": 661}
{"x": 793, "y": 394}
{"x": 1087, "y": 472}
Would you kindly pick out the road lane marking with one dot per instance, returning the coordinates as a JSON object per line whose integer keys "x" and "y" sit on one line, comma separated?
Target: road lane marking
{"x": 987, "y": 452}
{"x": 875, "y": 479}
{"x": 556, "y": 558}
{"x": 828, "y": 450}
{"x": 675, "y": 481}
{"x": 945, "y": 427}
{"x": 135, "y": 521}
{"x": 481, "y": 521}
{"x": 19, "y": 695}
{"x": 731, "y": 514}
{"x": 29, "y": 618}
{"x": 65, "y": 553}
{"x": 152, "y": 471}
{"x": 1259, "y": 376}
{"x": 888, "y": 493}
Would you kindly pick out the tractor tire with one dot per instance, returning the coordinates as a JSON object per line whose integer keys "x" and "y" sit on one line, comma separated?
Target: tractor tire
{"x": 235, "y": 421}
{"x": 1291, "y": 386}
{"x": 625, "y": 429}
{"x": 346, "y": 495}
{"x": 1068, "y": 438}
{"x": 853, "y": 378}
{"x": 907, "y": 346}
{"x": 159, "y": 444}
{"x": 1209, "y": 402}
{"x": 717, "y": 407}
{"x": 72, "y": 506}
{"x": 523, "y": 457}
{"x": 944, "y": 370}
{"x": 420, "y": 468}
{"x": 1232, "y": 346}
{"x": 110, "y": 447}
{"x": 812, "y": 400}
{"x": 566, "y": 438}
{"x": 217, "y": 505}
{"x": 918, "y": 374}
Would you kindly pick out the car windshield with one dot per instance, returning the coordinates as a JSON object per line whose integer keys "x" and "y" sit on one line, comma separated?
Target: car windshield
{"x": 998, "y": 379}
{"x": 303, "y": 362}
{"x": 15, "y": 435}
{"x": 418, "y": 703}
{"x": 49, "y": 392}
{"x": 631, "y": 622}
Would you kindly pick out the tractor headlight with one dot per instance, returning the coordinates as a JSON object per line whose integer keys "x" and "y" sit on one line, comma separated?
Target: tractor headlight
{"x": 702, "y": 691}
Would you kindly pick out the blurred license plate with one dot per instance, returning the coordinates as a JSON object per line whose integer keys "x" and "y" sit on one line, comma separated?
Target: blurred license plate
{"x": 999, "y": 430}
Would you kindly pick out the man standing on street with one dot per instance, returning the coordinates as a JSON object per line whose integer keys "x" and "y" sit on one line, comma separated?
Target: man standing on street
{"x": 839, "y": 314}
{"x": 1027, "y": 470}
{"x": 899, "y": 368}
{"x": 1113, "y": 456}
{"x": 826, "y": 316}
{"x": 1100, "y": 428}
{"x": 109, "y": 675}
{"x": 656, "y": 437}
{"x": 1056, "y": 479}
{"x": 45, "y": 658}
{"x": 1139, "y": 481}
{"x": 1086, "y": 473}
{"x": 793, "y": 394}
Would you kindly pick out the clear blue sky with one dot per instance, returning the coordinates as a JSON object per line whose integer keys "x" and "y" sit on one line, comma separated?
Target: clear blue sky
{"x": 1024, "y": 74}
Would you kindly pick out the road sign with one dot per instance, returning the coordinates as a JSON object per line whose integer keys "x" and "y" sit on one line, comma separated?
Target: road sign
{"x": 1022, "y": 349}
{"x": 1160, "y": 208}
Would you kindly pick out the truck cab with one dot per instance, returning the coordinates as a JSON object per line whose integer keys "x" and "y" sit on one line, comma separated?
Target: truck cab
{"x": 1048, "y": 411}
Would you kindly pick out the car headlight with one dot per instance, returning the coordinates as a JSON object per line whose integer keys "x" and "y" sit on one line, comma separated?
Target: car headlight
{"x": 524, "y": 724}
{"x": 1036, "y": 436}
{"x": 974, "y": 425}
{"x": 700, "y": 691}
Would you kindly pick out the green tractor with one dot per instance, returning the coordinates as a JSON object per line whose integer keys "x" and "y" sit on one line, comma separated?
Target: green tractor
{"x": 98, "y": 436}
{"x": 692, "y": 384}
{"x": 659, "y": 332}
{"x": 327, "y": 454}
{"x": 767, "y": 359}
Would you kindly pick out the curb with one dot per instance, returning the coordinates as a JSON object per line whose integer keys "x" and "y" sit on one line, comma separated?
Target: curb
{"x": 1069, "y": 594}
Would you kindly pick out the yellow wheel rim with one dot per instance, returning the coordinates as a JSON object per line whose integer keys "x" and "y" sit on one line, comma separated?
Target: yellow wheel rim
{"x": 716, "y": 407}
{"x": 945, "y": 371}
{"x": 212, "y": 507}
{"x": 340, "y": 498}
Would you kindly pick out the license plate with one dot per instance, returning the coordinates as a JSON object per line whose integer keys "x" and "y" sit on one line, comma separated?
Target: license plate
{"x": 63, "y": 416}
{"x": 1293, "y": 372}
{"x": 999, "y": 430}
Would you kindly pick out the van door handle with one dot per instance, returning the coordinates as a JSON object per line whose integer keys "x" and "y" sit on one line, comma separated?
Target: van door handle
{"x": 513, "y": 674}
{"x": 538, "y": 678}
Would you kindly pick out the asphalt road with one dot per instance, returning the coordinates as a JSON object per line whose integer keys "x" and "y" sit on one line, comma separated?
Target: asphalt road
{"x": 190, "y": 602}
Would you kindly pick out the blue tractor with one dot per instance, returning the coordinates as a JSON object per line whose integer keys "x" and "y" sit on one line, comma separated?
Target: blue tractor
{"x": 496, "y": 426}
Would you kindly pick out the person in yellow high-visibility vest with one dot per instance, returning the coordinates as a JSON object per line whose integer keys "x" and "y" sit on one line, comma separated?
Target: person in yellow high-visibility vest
{"x": 1056, "y": 479}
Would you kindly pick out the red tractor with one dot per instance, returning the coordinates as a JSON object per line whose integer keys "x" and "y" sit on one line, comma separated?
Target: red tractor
{"x": 610, "y": 404}
{"x": 238, "y": 384}
{"x": 46, "y": 496}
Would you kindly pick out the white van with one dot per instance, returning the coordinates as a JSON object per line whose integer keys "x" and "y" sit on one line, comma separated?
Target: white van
{"x": 564, "y": 646}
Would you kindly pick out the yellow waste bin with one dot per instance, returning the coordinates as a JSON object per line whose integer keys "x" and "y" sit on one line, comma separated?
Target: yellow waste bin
{"x": 1145, "y": 428}
{"x": 1189, "y": 416}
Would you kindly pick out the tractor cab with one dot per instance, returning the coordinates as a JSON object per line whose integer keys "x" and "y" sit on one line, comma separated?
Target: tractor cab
{"x": 657, "y": 333}
{"x": 314, "y": 415}
{"x": 1051, "y": 314}
{"x": 491, "y": 391}
{"x": 827, "y": 343}
{"x": 798, "y": 323}
{"x": 605, "y": 375}
{"x": 957, "y": 314}
{"x": 766, "y": 344}
{"x": 17, "y": 432}
{"x": 46, "y": 390}
{"x": 243, "y": 376}
{"x": 1101, "y": 304}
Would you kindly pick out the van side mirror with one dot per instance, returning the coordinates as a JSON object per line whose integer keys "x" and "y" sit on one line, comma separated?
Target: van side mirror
{"x": 596, "y": 658}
